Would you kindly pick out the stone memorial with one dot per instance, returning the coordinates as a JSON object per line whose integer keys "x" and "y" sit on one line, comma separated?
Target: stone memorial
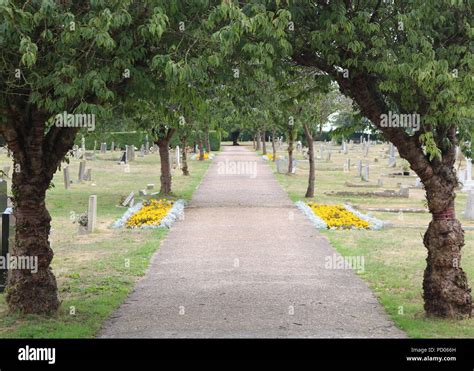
{"x": 92, "y": 214}
{"x": 67, "y": 178}
{"x": 82, "y": 170}
{"x": 469, "y": 211}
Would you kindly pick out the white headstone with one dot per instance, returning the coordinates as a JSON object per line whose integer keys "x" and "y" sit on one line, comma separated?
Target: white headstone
{"x": 469, "y": 212}
{"x": 178, "y": 157}
{"x": 67, "y": 179}
{"x": 92, "y": 214}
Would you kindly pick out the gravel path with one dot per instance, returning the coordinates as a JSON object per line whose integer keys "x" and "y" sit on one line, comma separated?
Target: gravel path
{"x": 246, "y": 263}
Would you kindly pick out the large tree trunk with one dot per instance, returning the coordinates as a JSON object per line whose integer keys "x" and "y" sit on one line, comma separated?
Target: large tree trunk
{"x": 184, "y": 156}
{"x": 312, "y": 176}
{"x": 445, "y": 286}
{"x": 235, "y": 137}
{"x": 273, "y": 145}
{"x": 165, "y": 177}
{"x": 36, "y": 156}
{"x": 201, "y": 149}
{"x": 31, "y": 292}
{"x": 291, "y": 141}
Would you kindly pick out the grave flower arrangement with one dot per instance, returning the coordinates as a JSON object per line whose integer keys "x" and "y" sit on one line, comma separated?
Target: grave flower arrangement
{"x": 151, "y": 213}
{"x": 268, "y": 156}
{"x": 154, "y": 213}
{"x": 338, "y": 217}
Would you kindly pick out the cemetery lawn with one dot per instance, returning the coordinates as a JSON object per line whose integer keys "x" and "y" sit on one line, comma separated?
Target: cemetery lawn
{"x": 96, "y": 272}
{"x": 394, "y": 257}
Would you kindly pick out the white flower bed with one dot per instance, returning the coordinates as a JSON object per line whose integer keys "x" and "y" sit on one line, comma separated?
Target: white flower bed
{"x": 375, "y": 224}
{"x": 319, "y": 223}
{"x": 316, "y": 220}
{"x": 176, "y": 212}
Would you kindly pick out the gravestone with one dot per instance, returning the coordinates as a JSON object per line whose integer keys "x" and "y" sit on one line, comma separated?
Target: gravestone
{"x": 147, "y": 145}
{"x": 392, "y": 162}
{"x": 7, "y": 241}
{"x": 82, "y": 170}
{"x": 103, "y": 148}
{"x": 404, "y": 191}
{"x": 83, "y": 144}
{"x": 88, "y": 175}
{"x": 130, "y": 153}
{"x": 130, "y": 200}
{"x": 112, "y": 146}
{"x": 142, "y": 151}
{"x": 150, "y": 186}
{"x": 359, "y": 168}
{"x": 123, "y": 158}
{"x": 365, "y": 173}
{"x": 95, "y": 146}
{"x": 178, "y": 157}
{"x": 67, "y": 178}
{"x": 469, "y": 212}
{"x": 282, "y": 166}
{"x": 468, "y": 182}
{"x": 92, "y": 214}
{"x": 75, "y": 151}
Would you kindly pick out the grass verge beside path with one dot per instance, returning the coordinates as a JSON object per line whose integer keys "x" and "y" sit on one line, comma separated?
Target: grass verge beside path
{"x": 394, "y": 257}
{"x": 96, "y": 272}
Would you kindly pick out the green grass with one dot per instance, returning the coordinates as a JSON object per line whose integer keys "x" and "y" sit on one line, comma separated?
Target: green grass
{"x": 394, "y": 257}
{"x": 96, "y": 272}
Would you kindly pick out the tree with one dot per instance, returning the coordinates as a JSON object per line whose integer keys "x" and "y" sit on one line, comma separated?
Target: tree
{"x": 58, "y": 57}
{"x": 406, "y": 58}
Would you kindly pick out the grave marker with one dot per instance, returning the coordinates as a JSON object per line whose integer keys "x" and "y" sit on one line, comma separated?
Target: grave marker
{"x": 103, "y": 147}
{"x": 7, "y": 240}
{"x": 469, "y": 212}
{"x": 130, "y": 200}
{"x": 88, "y": 175}
{"x": 67, "y": 178}
{"x": 92, "y": 214}
{"x": 82, "y": 169}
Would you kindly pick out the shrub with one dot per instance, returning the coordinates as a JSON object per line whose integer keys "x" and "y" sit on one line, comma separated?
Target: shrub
{"x": 214, "y": 140}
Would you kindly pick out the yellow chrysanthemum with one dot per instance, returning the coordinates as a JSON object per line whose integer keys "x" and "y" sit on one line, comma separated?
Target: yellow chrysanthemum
{"x": 151, "y": 213}
{"x": 338, "y": 217}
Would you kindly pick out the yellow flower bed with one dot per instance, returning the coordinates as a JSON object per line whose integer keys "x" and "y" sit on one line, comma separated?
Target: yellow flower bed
{"x": 269, "y": 156}
{"x": 151, "y": 213}
{"x": 338, "y": 217}
{"x": 206, "y": 156}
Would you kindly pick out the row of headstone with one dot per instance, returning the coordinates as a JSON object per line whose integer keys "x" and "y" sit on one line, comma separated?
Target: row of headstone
{"x": 83, "y": 175}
